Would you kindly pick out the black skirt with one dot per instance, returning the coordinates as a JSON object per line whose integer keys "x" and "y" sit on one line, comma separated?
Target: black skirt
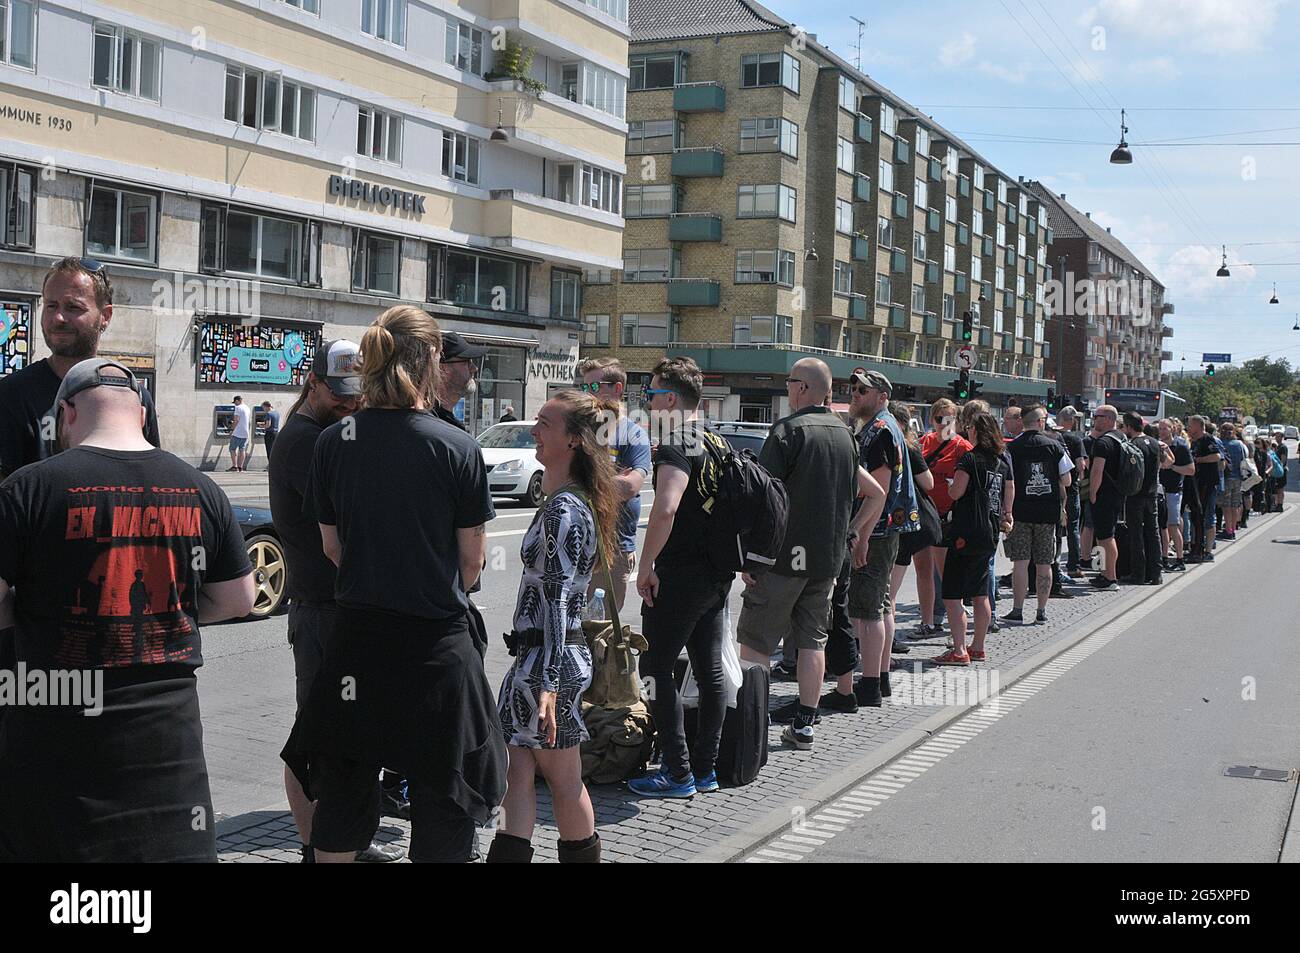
{"x": 128, "y": 785}
{"x": 410, "y": 695}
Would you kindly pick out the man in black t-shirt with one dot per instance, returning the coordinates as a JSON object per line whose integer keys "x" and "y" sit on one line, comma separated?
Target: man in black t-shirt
{"x": 459, "y": 367}
{"x": 1103, "y": 492}
{"x": 1175, "y": 467}
{"x": 1068, "y": 419}
{"x": 1206, "y": 456}
{"x": 1145, "y": 562}
{"x": 1041, "y": 474}
{"x": 111, "y": 555}
{"x": 682, "y": 595}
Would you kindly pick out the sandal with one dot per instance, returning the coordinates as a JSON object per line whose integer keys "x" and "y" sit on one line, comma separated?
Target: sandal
{"x": 951, "y": 658}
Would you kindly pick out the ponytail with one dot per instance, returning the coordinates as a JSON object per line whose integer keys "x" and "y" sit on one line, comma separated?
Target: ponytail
{"x": 397, "y": 369}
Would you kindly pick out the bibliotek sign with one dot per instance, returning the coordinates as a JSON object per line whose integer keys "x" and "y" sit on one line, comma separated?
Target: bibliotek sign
{"x": 376, "y": 195}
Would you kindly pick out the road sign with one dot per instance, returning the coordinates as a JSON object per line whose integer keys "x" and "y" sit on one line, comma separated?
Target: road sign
{"x": 965, "y": 358}
{"x": 1216, "y": 358}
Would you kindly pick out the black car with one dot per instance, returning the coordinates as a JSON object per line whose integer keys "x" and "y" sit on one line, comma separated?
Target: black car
{"x": 270, "y": 571}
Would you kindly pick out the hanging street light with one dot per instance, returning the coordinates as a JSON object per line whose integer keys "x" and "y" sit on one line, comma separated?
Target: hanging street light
{"x": 1223, "y": 269}
{"x": 1273, "y": 300}
{"x": 1121, "y": 155}
{"x": 812, "y": 249}
{"x": 499, "y": 133}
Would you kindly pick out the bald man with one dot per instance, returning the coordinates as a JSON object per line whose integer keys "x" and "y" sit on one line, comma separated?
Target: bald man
{"x": 813, "y": 452}
{"x": 111, "y": 555}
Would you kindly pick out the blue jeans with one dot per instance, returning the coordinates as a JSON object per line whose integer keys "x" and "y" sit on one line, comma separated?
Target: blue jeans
{"x": 993, "y": 581}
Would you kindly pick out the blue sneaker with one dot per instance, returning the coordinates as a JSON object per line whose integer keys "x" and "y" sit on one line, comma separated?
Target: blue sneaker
{"x": 707, "y": 784}
{"x": 662, "y": 785}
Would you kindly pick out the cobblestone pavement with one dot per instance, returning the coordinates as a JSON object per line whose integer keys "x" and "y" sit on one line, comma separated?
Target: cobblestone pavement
{"x": 633, "y": 829}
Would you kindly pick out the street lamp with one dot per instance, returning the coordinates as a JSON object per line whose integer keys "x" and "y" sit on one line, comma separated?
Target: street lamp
{"x": 499, "y": 133}
{"x": 1121, "y": 155}
{"x": 1223, "y": 269}
{"x": 1273, "y": 300}
{"x": 812, "y": 249}
{"x": 1296, "y": 326}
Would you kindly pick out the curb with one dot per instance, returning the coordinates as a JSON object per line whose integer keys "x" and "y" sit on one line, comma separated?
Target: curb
{"x": 738, "y": 845}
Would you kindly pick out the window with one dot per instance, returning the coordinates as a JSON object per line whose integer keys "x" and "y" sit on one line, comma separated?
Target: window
{"x": 847, "y": 97}
{"x": 1002, "y": 233}
{"x": 755, "y": 267}
{"x": 569, "y": 81}
{"x": 886, "y": 175}
{"x": 844, "y": 216}
{"x": 997, "y": 322}
{"x": 1020, "y": 285}
{"x": 384, "y": 20}
{"x": 769, "y": 69}
{"x": 597, "y": 276}
{"x": 648, "y": 264}
{"x": 977, "y": 176}
{"x": 976, "y": 269}
{"x": 125, "y": 61}
{"x": 1023, "y": 204}
{"x": 885, "y": 232}
{"x": 888, "y": 119}
{"x": 1000, "y": 277}
{"x": 306, "y": 6}
{"x": 376, "y": 262}
{"x": 595, "y": 330}
{"x": 766, "y": 201}
{"x": 484, "y": 281}
{"x": 824, "y": 335}
{"x": 920, "y": 194}
{"x": 882, "y": 289}
{"x": 644, "y": 330}
{"x": 951, "y": 160}
{"x": 762, "y": 329}
{"x": 121, "y": 224}
{"x": 464, "y": 47}
{"x": 379, "y": 135}
{"x": 460, "y": 157}
{"x": 977, "y": 223}
{"x": 950, "y": 208}
{"x": 949, "y": 258}
{"x": 922, "y": 141}
{"x": 1020, "y": 244}
{"x": 17, "y": 205}
{"x": 843, "y": 278}
{"x": 603, "y": 90}
{"x": 566, "y": 294}
{"x": 600, "y": 189}
{"x": 789, "y": 138}
{"x": 769, "y": 135}
{"x": 264, "y": 101}
{"x": 615, "y": 8}
{"x": 650, "y": 201}
{"x": 235, "y": 241}
{"x": 18, "y": 33}
{"x": 918, "y": 246}
{"x": 918, "y": 299}
{"x": 651, "y": 135}
{"x": 949, "y": 308}
{"x": 1020, "y": 326}
{"x": 844, "y": 155}
{"x": 653, "y": 71}
{"x": 1002, "y": 191}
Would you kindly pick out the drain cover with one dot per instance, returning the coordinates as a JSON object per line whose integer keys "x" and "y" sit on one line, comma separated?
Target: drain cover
{"x": 1261, "y": 774}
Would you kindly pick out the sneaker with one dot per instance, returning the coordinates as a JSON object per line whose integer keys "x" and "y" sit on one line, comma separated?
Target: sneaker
{"x": 393, "y": 803}
{"x": 976, "y": 656}
{"x": 952, "y": 658}
{"x": 900, "y": 648}
{"x": 1060, "y": 594}
{"x": 923, "y": 631}
{"x": 1178, "y": 566}
{"x": 868, "y": 694}
{"x": 994, "y": 626}
{"x": 378, "y": 853}
{"x": 786, "y": 713}
{"x": 1040, "y": 617}
{"x": 839, "y": 703}
{"x": 1015, "y": 615}
{"x": 801, "y": 737}
{"x": 707, "y": 784}
{"x": 661, "y": 784}
{"x": 1158, "y": 581}
{"x": 1102, "y": 584}
{"x": 1208, "y": 558}
{"x": 784, "y": 673}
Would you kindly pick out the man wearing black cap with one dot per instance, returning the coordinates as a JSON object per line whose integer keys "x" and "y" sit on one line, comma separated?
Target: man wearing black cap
{"x": 459, "y": 364}
{"x": 332, "y": 392}
{"x": 111, "y": 555}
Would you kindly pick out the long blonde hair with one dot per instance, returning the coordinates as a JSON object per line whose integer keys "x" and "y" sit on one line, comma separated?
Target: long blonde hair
{"x": 592, "y": 469}
{"x": 397, "y": 367}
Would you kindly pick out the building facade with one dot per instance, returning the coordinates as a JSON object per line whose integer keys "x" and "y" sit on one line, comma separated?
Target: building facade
{"x": 258, "y": 175}
{"x": 1112, "y": 332}
{"x": 780, "y": 203}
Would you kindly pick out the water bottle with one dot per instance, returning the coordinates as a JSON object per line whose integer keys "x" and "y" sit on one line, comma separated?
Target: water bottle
{"x": 596, "y": 607}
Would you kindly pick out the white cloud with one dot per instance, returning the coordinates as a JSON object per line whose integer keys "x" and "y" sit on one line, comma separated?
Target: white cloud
{"x": 958, "y": 52}
{"x": 1018, "y": 74}
{"x": 1159, "y": 69}
{"x": 1212, "y": 26}
{"x": 1190, "y": 271}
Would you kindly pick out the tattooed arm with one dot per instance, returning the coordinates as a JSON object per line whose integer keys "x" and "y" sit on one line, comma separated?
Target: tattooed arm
{"x": 471, "y": 541}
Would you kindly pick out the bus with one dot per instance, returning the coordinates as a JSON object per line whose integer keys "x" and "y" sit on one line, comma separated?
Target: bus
{"x": 1151, "y": 404}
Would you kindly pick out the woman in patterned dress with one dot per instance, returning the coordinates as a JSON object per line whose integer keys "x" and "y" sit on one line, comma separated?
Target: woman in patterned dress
{"x": 541, "y": 696}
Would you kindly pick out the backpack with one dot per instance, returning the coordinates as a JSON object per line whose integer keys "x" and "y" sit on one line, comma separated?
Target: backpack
{"x": 975, "y": 523}
{"x": 746, "y": 507}
{"x": 1278, "y": 471}
{"x": 619, "y": 742}
{"x": 1132, "y": 469}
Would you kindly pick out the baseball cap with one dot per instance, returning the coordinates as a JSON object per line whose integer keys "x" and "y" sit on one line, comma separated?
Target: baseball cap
{"x": 872, "y": 379}
{"x": 336, "y": 364}
{"x": 90, "y": 373}
{"x": 456, "y": 348}
{"x": 1067, "y": 411}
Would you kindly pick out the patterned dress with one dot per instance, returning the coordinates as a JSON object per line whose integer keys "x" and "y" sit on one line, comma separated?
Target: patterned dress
{"x": 559, "y": 553}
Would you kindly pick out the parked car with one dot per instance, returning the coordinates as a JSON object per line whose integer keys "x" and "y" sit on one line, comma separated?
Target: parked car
{"x": 1249, "y": 431}
{"x": 1276, "y": 430}
{"x": 741, "y": 434}
{"x": 511, "y": 457}
{"x": 1291, "y": 433}
{"x": 270, "y": 571}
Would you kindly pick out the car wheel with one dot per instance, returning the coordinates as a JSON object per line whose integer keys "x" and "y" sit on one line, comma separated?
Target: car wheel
{"x": 535, "y": 494}
{"x": 270, "y": 573}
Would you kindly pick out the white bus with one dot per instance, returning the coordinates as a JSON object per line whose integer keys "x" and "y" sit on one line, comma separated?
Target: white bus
{"x": 1151, "y": 404}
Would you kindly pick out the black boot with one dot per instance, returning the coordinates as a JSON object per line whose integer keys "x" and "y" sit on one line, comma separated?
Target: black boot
{"x": 580, "y": 851}
{"x": 508, "y": 849}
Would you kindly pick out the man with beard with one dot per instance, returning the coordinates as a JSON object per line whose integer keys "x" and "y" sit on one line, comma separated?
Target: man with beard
{"x": 77, "y": 306}
{"x": 459, "y": 366}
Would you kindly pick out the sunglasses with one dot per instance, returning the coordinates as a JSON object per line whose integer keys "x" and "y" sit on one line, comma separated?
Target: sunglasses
{"x": 92, "y": 265}
{"x": 651, "y": 391}
{"x": 595, "y": 386}
{"x": 794, "y": 380}
{"x": 862, "y": 389}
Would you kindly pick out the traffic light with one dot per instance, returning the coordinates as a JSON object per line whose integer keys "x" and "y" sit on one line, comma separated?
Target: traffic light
{"x": 1051, "y": 399}
{"x": 967, "y": 326}
{"x": 975, "y": 389}
{"x": 1209, "y": 370}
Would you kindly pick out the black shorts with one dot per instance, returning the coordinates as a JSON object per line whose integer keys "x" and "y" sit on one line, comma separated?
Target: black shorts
{"x": 965, "y": 577}
{"x": 310, "y": 626}
{"x": 1105, "y": 515}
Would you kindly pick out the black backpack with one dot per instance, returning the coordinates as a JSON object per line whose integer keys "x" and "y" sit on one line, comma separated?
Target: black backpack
{"x": 976, "y": 525}
{"x": 1132, "y": 469}
{"x": 746, "y": 508}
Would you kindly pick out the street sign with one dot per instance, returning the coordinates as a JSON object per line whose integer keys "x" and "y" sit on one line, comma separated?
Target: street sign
{"x": 965, "y": 357}
{"x": 1216, "y": 358}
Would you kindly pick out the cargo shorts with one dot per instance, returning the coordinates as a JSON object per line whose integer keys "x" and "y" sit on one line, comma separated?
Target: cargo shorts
{"x": 869, "y": 586}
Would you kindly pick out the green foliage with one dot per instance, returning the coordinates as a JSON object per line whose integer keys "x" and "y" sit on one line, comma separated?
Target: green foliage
{"x": 514, "y": 62}
{"x": 1267, "y": 390}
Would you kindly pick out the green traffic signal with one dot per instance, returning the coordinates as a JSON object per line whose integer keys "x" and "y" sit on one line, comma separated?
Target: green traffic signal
{"x": 1209, "y": 370}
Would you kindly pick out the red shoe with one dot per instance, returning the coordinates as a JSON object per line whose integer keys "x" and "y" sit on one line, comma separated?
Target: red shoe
{"x": 976, "y": 656}
{"x": 952, "y": 657}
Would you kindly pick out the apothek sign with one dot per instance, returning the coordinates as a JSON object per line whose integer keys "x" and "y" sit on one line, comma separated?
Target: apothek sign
{"x": 552, "y": 365}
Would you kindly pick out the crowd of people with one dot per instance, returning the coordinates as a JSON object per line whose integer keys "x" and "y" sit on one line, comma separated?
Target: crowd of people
{"x": 115, "y": 552}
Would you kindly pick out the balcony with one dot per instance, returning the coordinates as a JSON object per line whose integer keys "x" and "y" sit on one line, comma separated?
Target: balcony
{"x": 708, "y": 97}
{"x": 1047, "y": 236}
{"x": 693, "y": 292}
{"x": 698, "y": 162}
{"x": 862, "y": 190}
{"x": 1008, "y": 341}
{"x": 932, "y": 272}
{"x": 1167, "y": 308}
{"x": 936, "y": 170}
{"x": 1009, "y": 258}
{"x": 933, "y": 220}
{"x": 1011, "y": 216}
{"x": 860, "y": 248}
{"x": 1114, "y": 337}
{"x": 897, "y": 316}
{"x": 859, "y": 307}
{"x": 963, "y": 233}
{"x": 694, "y": 227}
{"x": 898, "y": 261}
{"x": 863, "y": 128}
{"x": 902, "y": 151}
{"x": 1166, "y": 332}
{"x": 931, "y": 324}
{"x": 960, "y": 285}
{"x": 1027, "y": 346}
{"x": 986, "y": 337}
{"x": 1009, "y": 300}
{"x": 986, "y": 246}
{"x": 990, "y": 202}
{"x": 1166, "y": 355}
{"x": 1031, "y": 227}
{"x": 963, "y": 186}
{"x": 1093, "y": 330}
{"x": 900, "y": 205}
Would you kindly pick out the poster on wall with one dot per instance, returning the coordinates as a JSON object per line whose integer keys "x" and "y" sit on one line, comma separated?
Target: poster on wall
{"x": 266, "y": 354}
{"x": 15, "y": 335}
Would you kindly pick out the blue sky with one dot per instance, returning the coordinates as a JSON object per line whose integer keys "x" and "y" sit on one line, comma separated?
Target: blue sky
{"x": 1166, "y": 61}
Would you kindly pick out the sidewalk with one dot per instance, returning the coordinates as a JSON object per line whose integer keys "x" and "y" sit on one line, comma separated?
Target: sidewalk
{"x": 244, "y": 487}
{"x": 720, "y": 826}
